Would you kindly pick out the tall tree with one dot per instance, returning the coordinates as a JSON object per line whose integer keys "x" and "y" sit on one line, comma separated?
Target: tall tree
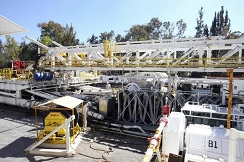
{"x": 213, "y": 29}
{"x": 221, "y": 23}
{"x": 205, "y": 31}
{"x": 28, "y": 52}
{"x": 200, "y": 26}
{"x": 52, "y": 30}
{"x": 168, "y": 29}
{"x": 137, "y": 33}
{"x": 1, "y": 46}
{"x": 106, "y": 36}
{"x": 151, "y": 30}
{"x": 2, "y": 56}
{"x": 154, "y": 28}
{"x": 63, "y": 35}
{"x": 46, "y": 40}
{"x": 69, "y": 37}
{"x": 181, "y": 26}
{"x": 93, "y": 39}
{"x": 120, "y": 38}
{"x": 11, "y": 48}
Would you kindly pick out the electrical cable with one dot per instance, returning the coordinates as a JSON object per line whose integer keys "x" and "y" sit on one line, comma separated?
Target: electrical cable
{"x": 98, "y": 158}
{"x": 105, "y": 151}
{"x": 86, "y": 155}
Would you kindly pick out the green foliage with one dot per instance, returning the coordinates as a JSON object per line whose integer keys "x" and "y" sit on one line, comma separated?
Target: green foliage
{"x": 29, "y": 52}
{"x": 46, "y": 40}
{"x": 181, "y": 26}
{"x": 2, "y": 56}
{"x": 120, "y": 38}
{"x": 200, "y": 26}
{"x": 1, "y": 46}
{"x": 69, "y": 36}
{"x": 106, "y": 36}
{"x": 103, "y": 36}
{"x": 220, "y": 24}
{"x": 52, "y": 30}
{"x": 137, "y": 33}
{"x": 93, "y": 39}
{"x": 11, "y": 48}
{"x": 155, "y": 29}
{"x": 168, "y": 29}
{"x": 63, "y": 35}
{"x": 205, "y": 31}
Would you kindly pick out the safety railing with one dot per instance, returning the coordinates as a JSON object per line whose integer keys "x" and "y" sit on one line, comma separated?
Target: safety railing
{"x": 231, "y": 62}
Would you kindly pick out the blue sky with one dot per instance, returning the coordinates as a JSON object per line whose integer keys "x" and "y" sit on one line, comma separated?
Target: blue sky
{"x": 95, "y": 16}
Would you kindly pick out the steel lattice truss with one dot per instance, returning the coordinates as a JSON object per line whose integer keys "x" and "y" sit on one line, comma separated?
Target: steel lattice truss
{"x": 213, "y": 54}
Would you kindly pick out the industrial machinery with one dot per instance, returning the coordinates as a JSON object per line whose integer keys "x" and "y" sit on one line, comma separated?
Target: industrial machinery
{"x": 137, "y": 104}
{"x": 52, "y": 121}
{"x": 58, "y": 111}
{"x": 200, "y": 133}
{"x": 191, "y": 135}
{"x": 60, "y": 127}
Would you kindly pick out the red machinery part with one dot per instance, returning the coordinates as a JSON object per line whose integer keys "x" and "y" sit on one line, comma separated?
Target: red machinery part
{"x": 166, "y": 110}
{"x": 16, "y": 64}
{"x": 22, "y": 64}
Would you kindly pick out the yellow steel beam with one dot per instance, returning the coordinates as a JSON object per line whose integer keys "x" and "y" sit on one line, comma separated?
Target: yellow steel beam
{"x": 230, "y": 72}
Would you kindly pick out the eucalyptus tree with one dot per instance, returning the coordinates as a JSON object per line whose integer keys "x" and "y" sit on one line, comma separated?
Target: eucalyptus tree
{"x": 154, "y": 28}
{"x": 168, "y": 29}
{"x": 137, "y": 33}
{"x": 52, "y": 30}
{"x": 63, "y": 35}
{"x": 181, "y": 26}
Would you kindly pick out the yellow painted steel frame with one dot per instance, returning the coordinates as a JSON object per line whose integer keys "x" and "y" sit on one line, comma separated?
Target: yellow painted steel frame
{"x": 231, "y": 62}
{"x": 230, "y": 72}
{"x": 52, "y": 121}
{"x": 8, "y": 73}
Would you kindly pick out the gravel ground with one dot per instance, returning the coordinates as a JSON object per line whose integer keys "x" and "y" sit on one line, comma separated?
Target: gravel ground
{"x": 17, "y": 132}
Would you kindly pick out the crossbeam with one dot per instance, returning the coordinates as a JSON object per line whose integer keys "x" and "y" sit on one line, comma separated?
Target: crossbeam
{"x": 187, "y": 54}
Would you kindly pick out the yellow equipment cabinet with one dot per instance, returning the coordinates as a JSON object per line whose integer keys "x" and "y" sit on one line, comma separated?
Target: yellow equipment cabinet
{"x": 59, "y": 110}
{"x": 51, "y": 122}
